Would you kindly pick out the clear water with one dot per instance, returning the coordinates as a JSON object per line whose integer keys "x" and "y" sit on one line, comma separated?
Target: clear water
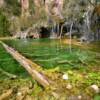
{"x": 8, "y": 64}
{"x": 55, "y": 53}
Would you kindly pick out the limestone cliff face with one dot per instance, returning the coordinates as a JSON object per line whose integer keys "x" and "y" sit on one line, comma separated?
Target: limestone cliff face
{"x": 51, "y": 7}
{"x": 54, "y": 9}
{"x": 37, "y": 2}
{"x": 49, "y": 4}
{"x": 2, "y": 3}
{"x": 25, "y": 7}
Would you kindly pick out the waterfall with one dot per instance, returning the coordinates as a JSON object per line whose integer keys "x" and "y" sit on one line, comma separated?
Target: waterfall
{"x": 24, "y": 35}
{"x": 53, "y": 35}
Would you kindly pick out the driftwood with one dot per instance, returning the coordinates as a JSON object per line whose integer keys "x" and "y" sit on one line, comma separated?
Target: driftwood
{"x": 29, "y": 66}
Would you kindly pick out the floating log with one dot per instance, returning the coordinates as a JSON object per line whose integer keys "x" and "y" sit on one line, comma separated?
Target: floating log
{"x": 30, "y": 66}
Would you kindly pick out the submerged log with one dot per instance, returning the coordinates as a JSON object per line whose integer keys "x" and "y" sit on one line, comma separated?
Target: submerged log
{"x": 8, "y": 74}
{"x": 31, "y": 67}
{"x": 65, "y": 62}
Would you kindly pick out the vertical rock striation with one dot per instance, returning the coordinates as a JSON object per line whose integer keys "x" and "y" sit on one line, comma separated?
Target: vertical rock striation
{"x": 25, "y": 7}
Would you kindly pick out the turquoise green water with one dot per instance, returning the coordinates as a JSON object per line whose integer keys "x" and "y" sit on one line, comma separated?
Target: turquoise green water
{"x": 8, "y": 64}
{"x": 54, "y": 53}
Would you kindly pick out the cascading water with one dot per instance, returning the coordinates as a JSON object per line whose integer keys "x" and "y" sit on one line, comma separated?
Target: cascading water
{"x": 53, "y": 35}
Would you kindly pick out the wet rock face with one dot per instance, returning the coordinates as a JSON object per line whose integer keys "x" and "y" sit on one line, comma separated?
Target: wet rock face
{"x": 25, "y": 4}
{"x": 91, "y": 25}
{"x": 95, "y": 22}
{"x": 54, "y": 8}
{"x": 38, "y": 3}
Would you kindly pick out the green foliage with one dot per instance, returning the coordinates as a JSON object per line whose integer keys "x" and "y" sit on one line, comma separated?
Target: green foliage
{"x": 93, "y": 78}
{"x": 76, "y": 6}
{"x": 97, "y": 97}
{"x": 32, "y": 7}
{"x": 14, "y": 7}
{"x": 4, "y": 25}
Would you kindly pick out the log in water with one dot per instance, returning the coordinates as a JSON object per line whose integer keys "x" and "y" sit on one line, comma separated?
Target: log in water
{"x": 29, "y": 66}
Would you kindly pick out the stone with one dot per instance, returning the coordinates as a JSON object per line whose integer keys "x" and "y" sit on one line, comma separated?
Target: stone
{"x": 19, "y": 94}
{"x": 69, "y": 86}
{"x": 79, "y": 97}
{"x": 95, "y": 88}
{"x": 65, "y": 77}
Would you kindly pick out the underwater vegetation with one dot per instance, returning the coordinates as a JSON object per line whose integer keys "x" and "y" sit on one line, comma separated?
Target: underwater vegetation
{"x": 77, "y": 74}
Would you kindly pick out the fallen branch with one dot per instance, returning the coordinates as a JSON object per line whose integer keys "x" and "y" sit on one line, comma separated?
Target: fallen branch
{"x": 29, "y": 66}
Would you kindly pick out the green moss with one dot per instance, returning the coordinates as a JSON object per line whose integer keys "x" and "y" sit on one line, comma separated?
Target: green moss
{"x": 13, "y": 7}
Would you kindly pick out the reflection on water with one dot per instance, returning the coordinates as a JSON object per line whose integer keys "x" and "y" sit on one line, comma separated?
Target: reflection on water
{"x": 55, "y": 53}
{"x": 94, "y": 46}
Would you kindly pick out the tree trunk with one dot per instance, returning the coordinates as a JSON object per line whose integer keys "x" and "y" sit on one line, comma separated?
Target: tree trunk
{"x": 70, "y": 42}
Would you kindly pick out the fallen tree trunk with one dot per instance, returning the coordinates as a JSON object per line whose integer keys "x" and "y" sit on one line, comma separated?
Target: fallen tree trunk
{"x": 29, "y": 66}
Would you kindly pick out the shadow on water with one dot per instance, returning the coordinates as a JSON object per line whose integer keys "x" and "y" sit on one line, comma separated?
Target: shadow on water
{"x": 94, "y": 46}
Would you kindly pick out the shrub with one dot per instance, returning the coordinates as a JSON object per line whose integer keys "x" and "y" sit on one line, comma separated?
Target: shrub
{"x": 4, "y": 25}
{"x": 14, "y": 6}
